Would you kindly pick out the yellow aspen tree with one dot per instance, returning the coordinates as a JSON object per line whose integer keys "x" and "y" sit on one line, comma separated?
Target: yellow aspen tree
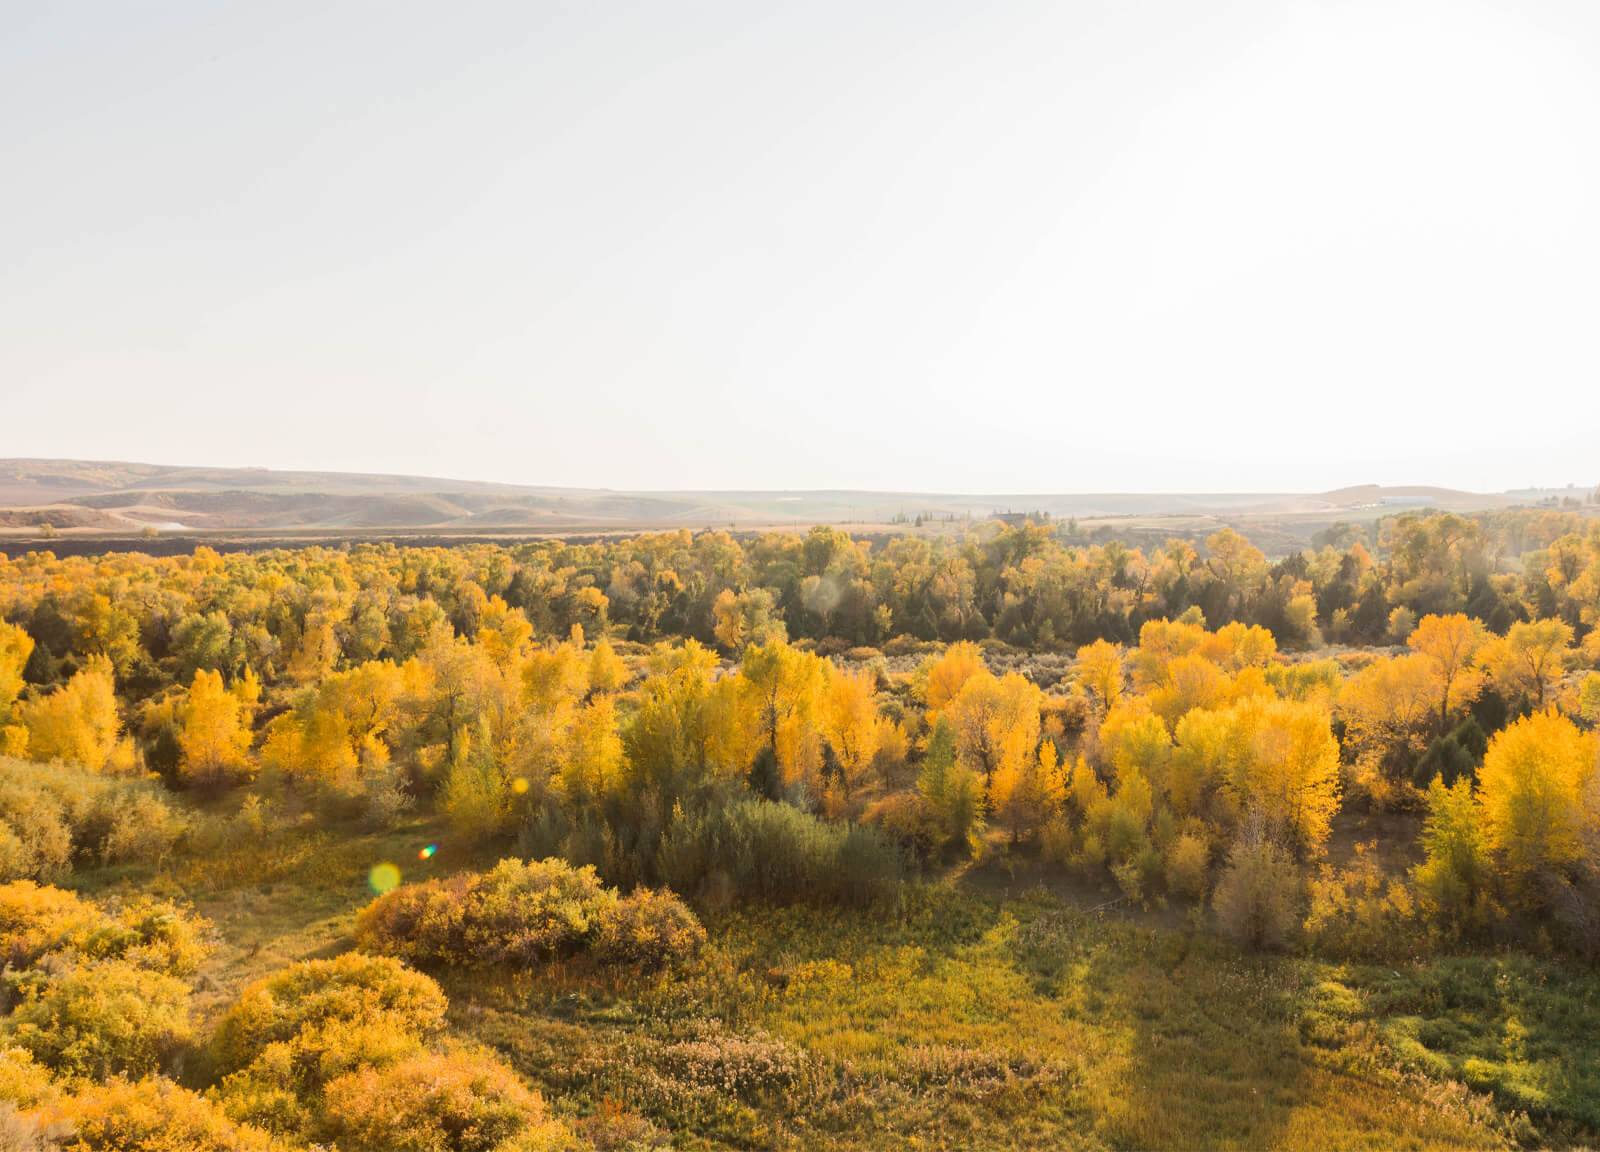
{"x": 591, "y": 762}
{"x": 1528, "y": 662}
{"x": 1532, "y": 788}
{"x": 1450, "y": 644}
{"x": 1292, "y": 774}
{"x": 949, "y": 674}
{"x": 1027, "y": 788}
{"x": 1099, "y": 672}
{"x": 1134, "y": 739}
{"x": 850, "y": 725}
{"x": 607, "y": 672}
{"x": 786, "y": 686}
{"x": 213, "y": 739}
{"x": 15, "y": 648}
{"x": 78, "y": 721}
{"x": 317, "y": 653}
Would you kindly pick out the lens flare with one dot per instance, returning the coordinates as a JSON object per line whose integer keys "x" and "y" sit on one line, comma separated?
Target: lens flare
{"x": 519, "y": 785}
{"x": 383, "y": 878}
{"x": 427, "y": 852}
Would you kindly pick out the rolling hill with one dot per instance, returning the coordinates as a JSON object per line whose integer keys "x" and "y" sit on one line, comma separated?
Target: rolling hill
{"x": 101, "y": 498}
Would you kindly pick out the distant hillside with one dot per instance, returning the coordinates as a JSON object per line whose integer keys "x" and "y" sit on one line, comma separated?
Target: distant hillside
{"x": 100, "y": 497}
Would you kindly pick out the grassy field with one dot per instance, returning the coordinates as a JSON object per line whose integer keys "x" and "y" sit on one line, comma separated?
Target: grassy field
{"x": 967, "y": 1017}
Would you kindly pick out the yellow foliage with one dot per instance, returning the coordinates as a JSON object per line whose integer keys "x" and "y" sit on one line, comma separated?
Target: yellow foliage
{"x": 988, "y": 713}
{"x": 152, "y": 1116}
{"x": 1451, "y": 644}
{"x": 1099, "y": 671}
{"x": 1390, "y": 709}
{"x": 214, "y": 740}
{"x": 947, "y": 675}
{"x": 1133, "y": 738}
{"x": 1534, "y": 789}
{"x": 851, "y": 725}
{"x": 1028, "y": 788}
{"x": 15, "y": 648}
{"x": 77, "y": 722}
{"x": 458, "y": 1101}
{"x": 1527, "y": 663}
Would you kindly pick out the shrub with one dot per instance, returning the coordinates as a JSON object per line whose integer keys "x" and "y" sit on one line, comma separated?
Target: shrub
{"x": 1257, "y": 897}
{"x": 777, "y": 854}
{"x": 19, "y": 1133}
{"x": 1187, "y": 863}
{"x": 528, "y": 912}
{"x": 104, "y": 1018}
{"x": 649, "y": 929}
{"x": 1359, "y": 911}
{"x": 24, "y": 1083}
{"x": 154, "y": 1116}
{"x": 36, "y": 919}
{"x": 331, "y": 1000}
{"x": 143, "y": 829}
{"x": 452, "y": 1102}
{"x": 423, "y": 923}
{"x": 38, "y": 843}
{"x": 1057, "y": 844}
{"x": 58, "y": 811}
{"x": 153, "y": 934}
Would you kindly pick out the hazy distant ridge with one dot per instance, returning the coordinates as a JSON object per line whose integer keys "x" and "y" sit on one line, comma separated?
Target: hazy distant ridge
{"x": 112, "y": 496}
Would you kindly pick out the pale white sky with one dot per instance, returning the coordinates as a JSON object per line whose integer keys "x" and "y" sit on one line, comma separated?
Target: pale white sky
{"x": 924, "y": 245}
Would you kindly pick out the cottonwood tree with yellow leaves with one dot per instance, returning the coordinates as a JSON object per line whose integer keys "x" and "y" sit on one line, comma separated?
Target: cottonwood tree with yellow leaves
{"x": 214, "y": 733}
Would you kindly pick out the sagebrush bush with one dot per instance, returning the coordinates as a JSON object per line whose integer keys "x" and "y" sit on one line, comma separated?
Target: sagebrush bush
{"x": 529, "y": 911}
{"x": 332, "y": 1000}
{"x": 1258, "y": 895}
{"x": 1188, "y": 864}
{"x": 773, "y": 852}
{"x": 423, "y": 923}
{"x": 103, "y": 1018}
{"x": 457, "y": 1101}
{"x": 649, "y": 929}
{"x": 53, "y": 813}
{"x": 153, "y": 1116}
{"x": 523, "y": 913}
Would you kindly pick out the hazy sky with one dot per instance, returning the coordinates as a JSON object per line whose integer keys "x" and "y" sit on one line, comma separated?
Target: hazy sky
{"x": 980, "y": 246}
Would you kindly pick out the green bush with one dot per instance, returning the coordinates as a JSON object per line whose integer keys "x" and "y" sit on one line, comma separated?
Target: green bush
{"x": 775, "y": 853}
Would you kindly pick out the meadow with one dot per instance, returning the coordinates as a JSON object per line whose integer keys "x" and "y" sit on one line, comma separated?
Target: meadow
{"x": 965, "y": 1017}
